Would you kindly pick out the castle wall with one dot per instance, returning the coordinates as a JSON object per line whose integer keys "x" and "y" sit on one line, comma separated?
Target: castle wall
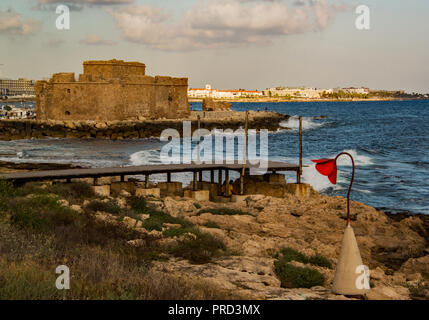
{"x": 113, "y": 68}
{"x": 129, "y": 96}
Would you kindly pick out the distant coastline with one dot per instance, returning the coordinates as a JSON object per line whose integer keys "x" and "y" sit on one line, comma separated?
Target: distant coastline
{"x": 268, "y": 99}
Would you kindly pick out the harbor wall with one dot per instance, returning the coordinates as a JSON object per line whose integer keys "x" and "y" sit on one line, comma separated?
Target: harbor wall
{"x": 116, "y": 130}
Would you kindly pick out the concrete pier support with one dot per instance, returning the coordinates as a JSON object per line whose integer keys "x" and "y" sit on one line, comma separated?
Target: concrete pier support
{"x": 170, "y": 188}
{"x": 103, "y": 191}
{"x": 117, "y": 187}
{"x": 301, "y": 190}
{"x": 199, "y": 195}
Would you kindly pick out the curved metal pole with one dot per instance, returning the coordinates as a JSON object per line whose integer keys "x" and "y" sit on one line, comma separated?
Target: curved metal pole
{"x": 351, "y": 183}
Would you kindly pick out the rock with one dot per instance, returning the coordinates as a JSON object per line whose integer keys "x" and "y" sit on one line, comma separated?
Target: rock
{"x": 143, "y": 216}
{"x": 388, "y": 293}
{"x": 210, "y": 105}
{"x": 125, "y": 193}
{"x": 419, "y": 265}
{"x": 76, "y": 208}
{"x": 377, "y": 274}
{"x": 398, "y": 278}
{"x": 414, "y": 277}
{"x": 154, "y": 192}
{"x": 63, "y": 202}
{"x": 137, "y": 243}
{"x": 129, "y": 222}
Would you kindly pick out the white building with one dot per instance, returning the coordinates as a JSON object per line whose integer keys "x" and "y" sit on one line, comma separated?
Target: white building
{"x": 296, "y": 92}
{"x": 353, "y": 90}
{"x": 208, "y": 92}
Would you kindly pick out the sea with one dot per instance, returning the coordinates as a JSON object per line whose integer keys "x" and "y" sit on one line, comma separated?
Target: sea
{"x": 389, "y": 141}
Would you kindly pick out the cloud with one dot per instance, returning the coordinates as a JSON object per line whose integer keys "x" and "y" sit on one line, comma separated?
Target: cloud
{"x": 13, "y": 23}
{"x": 77, "y": 5}
{"x": 221, "y": 23}
{"x": 95, "y": 40}
{"x": 54, "y": 43}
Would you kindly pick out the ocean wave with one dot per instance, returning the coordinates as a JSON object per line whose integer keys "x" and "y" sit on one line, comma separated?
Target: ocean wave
{"x": 360, "y": 159}
{"x": 308, "y": 123}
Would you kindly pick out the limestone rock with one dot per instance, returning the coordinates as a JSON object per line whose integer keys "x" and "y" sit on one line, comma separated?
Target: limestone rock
{"x": 210, "y": 105}
{"x": 388, "y": 293}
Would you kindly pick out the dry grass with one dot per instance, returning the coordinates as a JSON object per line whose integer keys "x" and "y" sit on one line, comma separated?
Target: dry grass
{"x": 102, "y": 264}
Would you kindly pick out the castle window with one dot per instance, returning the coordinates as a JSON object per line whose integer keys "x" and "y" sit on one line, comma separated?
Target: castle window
{"x": 67, "y": 113}
{"x": 170, "y": 98}
{"x": 68, "y": 90}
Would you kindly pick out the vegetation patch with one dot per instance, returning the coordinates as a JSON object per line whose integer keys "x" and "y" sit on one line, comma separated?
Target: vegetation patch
{"x": 223, "y": 211}
{"x": 211, "y": 224}
{"x": 73, "y": 192}
{"x": 177, "y": 232}
{"x": 292, "y": 276}
{"x": 297, "y": 277}
{"x": 86, "y": 244}
{"x": 199, "y": 248}
{"x": 39, "y": 213}
{"x": 109, "y": 207}
{"x": 289, "y": 254}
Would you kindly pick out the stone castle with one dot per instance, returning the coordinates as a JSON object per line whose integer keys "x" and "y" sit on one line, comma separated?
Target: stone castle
{"x": 111, "y": 90}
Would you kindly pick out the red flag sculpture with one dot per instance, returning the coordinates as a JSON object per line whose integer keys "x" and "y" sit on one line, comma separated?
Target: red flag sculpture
{"x": 328, "y": 167}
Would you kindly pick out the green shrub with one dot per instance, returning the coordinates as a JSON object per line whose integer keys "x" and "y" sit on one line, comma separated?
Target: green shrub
{"x": 40, "y": 213}
{"x": 138, "y": 204}
{"x": 6, "y": 189}
{"x": 109, "y": 207}
{"x": 321, "y": 261}
{"x": 223, "y": 211}
{"x": 158, "y": 218}
{"x": 297, "y": 277}
{"x": 199, "y": 248}
{"x": 289, "y": 254}
{"x": 74, "y": 192}
{"x": 176, "y": 232}
{"x": 211, "y": 224}
{"x": 197, "y": 205}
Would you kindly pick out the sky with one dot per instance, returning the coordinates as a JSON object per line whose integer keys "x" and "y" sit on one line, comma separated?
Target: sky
{"x": 230, "y": 44}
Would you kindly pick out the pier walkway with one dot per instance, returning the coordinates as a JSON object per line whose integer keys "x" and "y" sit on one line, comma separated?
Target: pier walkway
{"x": 147, "y": 170}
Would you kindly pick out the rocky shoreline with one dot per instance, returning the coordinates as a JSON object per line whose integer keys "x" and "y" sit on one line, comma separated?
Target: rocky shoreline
{"x": 394, "y": 246}
{"x": 133, "y": 129}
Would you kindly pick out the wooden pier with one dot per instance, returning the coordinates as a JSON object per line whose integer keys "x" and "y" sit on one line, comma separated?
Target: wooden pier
{"x": 146, "y": 170}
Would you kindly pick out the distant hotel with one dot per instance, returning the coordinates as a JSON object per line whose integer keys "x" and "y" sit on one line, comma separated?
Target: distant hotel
{"x": 17, "y": 87}
{"x": 208, "y": 92}
{"x": 310, "y": 93}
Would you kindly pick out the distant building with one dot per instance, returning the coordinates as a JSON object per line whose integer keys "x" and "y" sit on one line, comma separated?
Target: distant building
{"x": 12, "y": 112}
{"x": 208, "y": 92}
{"x": 353, "y": 90}
{"x": 296, "y": 92}
{"x": 21, "y": 86}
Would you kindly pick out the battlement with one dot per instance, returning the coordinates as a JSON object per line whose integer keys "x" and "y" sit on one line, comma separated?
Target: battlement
{"x": 111, "y": 69}
{"x": 63, "y": 77}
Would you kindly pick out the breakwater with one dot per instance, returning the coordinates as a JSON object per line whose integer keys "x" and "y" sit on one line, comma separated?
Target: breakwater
{"x": 145, "y": 128}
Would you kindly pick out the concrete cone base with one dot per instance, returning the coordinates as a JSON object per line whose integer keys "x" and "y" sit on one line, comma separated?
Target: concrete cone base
{"x": 345, "y": 273}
